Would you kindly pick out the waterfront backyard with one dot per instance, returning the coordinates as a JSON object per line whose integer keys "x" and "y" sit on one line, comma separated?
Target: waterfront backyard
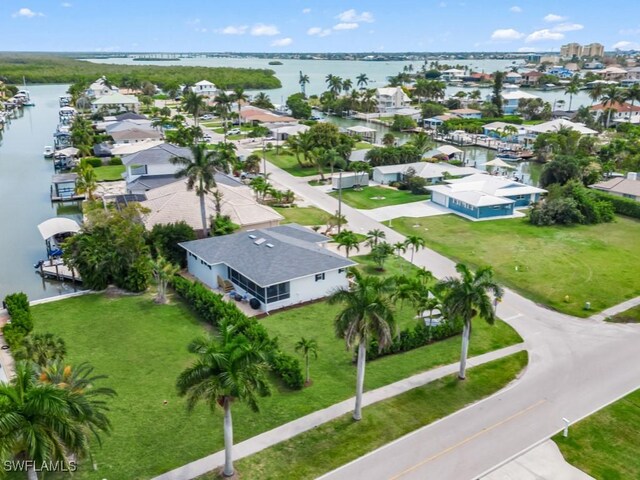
{"x": 141, "y": 346}
{"x": 374, "y": 197}
{"x": 562, "y": 267}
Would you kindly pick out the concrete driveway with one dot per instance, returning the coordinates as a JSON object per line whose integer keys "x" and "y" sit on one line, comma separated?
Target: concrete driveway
{"x": 424, "y": 208}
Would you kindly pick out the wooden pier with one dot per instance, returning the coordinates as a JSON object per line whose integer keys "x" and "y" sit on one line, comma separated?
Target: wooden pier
{"x": 57, "y": 270}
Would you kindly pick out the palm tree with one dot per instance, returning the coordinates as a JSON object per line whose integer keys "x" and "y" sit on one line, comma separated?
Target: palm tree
{"x": 572, "y": 89}
{"x": 467, "y": 297}
{"x": 293, "y": 143}
{"x": 633, "y": 94}
{"x": 86, "y": 181}
{"x": 380, "y": 253}
{"x": 226, "y": 156}
{"x": 595, "y": 92}
{"x": 223, "y": 104}
{"x": 611, "y": 96}
{"x": 194, "y": 104}
{"x": 45, "y": 422}
{"x": 41, "y": 348}
{"x": 422, "y": 142}
{"x": 347, "y": 85}
{"x": 335, "y": 85}
{"x": 416, "y": 242}
{"x": 200, "y": 169}
{"x": 367, "y": 315}
{"x": 239, "y": 97}
{"x": 388, "y": 139}
{"x": 303, "y": 80}
{"x": 251, "y": 164}
{"x": 306, "y": 143}
{"x": 262, "y": 100}
{"x": 163, "y": 272}
{"x": 362, "y": 81}
{"x": 374, "y": 236}
{"x": 307, "y": 347}
{"x": 348, "y": 240}
{"x": 369, "y": 100}
{"x": 228, "y": 368}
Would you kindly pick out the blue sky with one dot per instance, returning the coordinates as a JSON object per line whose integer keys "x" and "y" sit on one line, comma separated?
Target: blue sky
{"x": 316, "y": 26}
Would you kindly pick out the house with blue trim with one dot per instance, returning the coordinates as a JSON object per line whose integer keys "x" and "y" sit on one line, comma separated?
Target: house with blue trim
{"x": 480, "y": 197}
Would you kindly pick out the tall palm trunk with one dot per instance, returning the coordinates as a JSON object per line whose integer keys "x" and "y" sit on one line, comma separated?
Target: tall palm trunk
{"x": 306, "y": 358}
{"x": 203, "y": 214}
{"x": 31, "y": 473}
{"x": 466, "y": 330}
{"x": 362, "y": 354}
{"x": 631, "y": 110}
{"x": 413, "y": 250}
{"x": 228, "y": 439}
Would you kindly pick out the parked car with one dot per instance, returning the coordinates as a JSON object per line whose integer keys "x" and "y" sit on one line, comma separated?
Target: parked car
{"x": 207, "y": 137}
{"x": 206, "y": 117}
{"x": 234, "y": 131}
{"x": 269, "y": 138}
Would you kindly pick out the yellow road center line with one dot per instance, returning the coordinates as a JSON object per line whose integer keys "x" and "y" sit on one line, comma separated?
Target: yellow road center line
{"x": 468, "y": 439}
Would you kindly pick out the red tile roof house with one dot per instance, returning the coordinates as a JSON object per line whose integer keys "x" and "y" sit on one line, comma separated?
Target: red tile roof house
{"x": 621, "y": 112}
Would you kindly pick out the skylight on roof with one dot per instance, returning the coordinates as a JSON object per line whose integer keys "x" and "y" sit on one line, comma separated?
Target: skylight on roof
{"x": 270, "y": 245}
{"x": 252, "y": 236}
{"x": 260, "y": 241}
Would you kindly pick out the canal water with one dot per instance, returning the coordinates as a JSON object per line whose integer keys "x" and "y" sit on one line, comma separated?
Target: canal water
{"x": 25, "y": 179}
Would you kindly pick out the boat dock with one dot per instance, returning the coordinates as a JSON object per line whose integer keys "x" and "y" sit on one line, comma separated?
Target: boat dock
{"x": 57, "y": 270}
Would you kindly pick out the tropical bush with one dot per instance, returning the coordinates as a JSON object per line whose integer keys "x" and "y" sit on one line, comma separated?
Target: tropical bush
{"x": 415, "y": 337}
{"x": 621, "y": 205}
{"x": 212, "y": 308}
{"x": 16, "y": 302}
{"x": 21, "y": 320}
{"x": 392, "y": 155}
{"x": 402, "y": 122}
{"x": 94, "y": 162}
{"x": 115, "y": 161}
{"x": 164, "y": 240}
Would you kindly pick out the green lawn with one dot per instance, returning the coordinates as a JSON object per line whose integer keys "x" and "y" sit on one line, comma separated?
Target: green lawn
{"x": 594, "y": 263}
{"x": 375, "y": 197}
{"x": 629, "y": 316}
{"x": 142, "y": 347}
{"x": 287, "y": 161}
{"x": 109, "y": 173}
{"x": 340, "y": 441}
{"x": 605, "y": 445}
{"x": 303, "y": 215}
{"x": 362, "y": 146}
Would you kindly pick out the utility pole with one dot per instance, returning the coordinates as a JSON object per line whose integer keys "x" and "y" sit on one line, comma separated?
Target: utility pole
{"x": 264, "y": 160}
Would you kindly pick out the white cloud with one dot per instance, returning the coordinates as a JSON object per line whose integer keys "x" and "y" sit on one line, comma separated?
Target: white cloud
{"x": 66, "y": 5}
{"x": 626, "y": 45}
{"x": 282, "y": 42}
{"x": 527, "y": 50}
{"x": 552, "y": 17}
{"x": 234, "y": 30}
{"x": 350, "y": 16}
{"x": 27, "y": 13}
{"x": 567, "y": 27}
{"x": 345, "y": 26}
{"x": 544, "y": 34}
{"x": 318, "y": 32}
{"x": 260, "y": 29}
{"x": 506, "y": 34}
{"x": 515, "y": 9}
{"x": 306, "y": 10}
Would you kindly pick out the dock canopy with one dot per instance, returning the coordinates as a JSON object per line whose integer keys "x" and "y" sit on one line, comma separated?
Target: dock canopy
{"x": 68, "y": 152}
{"x": 55, "y": 226}
{"x": 497, "y": 163}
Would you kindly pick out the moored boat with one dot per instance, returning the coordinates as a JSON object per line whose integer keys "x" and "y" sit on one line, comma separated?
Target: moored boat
{"x": 48, "y": 151}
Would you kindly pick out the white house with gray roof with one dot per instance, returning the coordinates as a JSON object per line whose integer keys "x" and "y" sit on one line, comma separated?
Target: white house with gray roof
{"x": 153, "y": 165}
{"x": 279, "y": 266}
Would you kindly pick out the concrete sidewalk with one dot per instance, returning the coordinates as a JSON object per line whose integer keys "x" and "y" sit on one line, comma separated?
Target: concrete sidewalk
{"x": 544, "y": 462}
{"x": 621, "y": 307}
{"x": 296, "y": 427}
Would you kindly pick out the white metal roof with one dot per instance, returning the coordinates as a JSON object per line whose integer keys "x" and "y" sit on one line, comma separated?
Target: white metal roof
{"x": 57, "y": 225}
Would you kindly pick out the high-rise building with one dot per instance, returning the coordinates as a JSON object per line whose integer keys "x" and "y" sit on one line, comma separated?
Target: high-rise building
{"x": 571, "y": 50}
{"x": 593, "y": 50}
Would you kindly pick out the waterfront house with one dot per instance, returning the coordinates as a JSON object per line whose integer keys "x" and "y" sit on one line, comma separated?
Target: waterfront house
{"x": 152, "y": 167}
{"x": 391, "y": 98}
{"x": 532, "y": 78}
{"x": 255, "y": 116}
{"x": 512, "y": 97}
{"x": 115, "y": 103}
{"x": 452, "y": 75}
{"x": 557, "y": 124}
{"x": 282, "y": 131}
{"x": 174, "y": 202}
{"x": 513, "y": 77}
{"x": 101, "y": 88}
{"x": 205, "y": 88}
{"x": 615, "y": 74}
{"x": 627, "y": 187}
{"x": 478, "y": 197}
{"x": 132, "y": 131}
{"x": 432, "y": 172}
{"x": 561, "y": 72}
{"x": 275, "y": 267}
{"x": 620, "y": 111}
{"x": 434, "y": 122}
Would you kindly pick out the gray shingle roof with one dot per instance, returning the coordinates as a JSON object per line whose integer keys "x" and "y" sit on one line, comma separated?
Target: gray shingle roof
{"x": 287, "y": 252}
{"x": 158, "y": 155}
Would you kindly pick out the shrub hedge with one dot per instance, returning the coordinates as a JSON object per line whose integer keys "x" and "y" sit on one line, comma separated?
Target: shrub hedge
{"x": 415, "y": 337}
{"x": 21, "y": 320}
{"x": 211, "y": 307}
{"x": 621, "y": 205}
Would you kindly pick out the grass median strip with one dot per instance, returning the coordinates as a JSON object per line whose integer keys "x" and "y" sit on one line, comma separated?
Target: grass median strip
{"x": 340, "y": 441}
{"x": 605, "y": 445}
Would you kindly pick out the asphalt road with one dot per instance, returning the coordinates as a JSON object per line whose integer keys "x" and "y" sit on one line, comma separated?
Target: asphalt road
{"x": 576, "y": 366}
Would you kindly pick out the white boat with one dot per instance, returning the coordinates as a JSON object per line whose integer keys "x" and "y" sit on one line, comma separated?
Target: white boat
{"x": 48, "y": 151}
